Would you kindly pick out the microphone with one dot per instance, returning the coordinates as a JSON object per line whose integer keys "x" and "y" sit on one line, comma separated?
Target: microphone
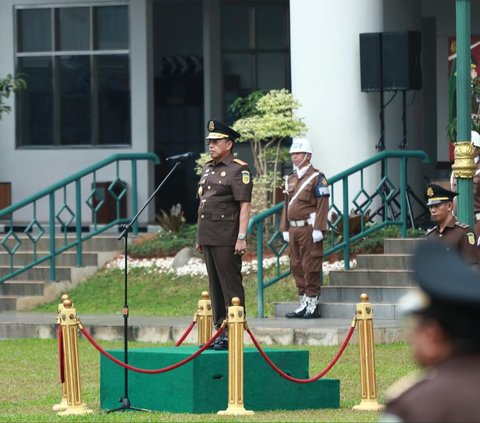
{"x": 181, "y": 156}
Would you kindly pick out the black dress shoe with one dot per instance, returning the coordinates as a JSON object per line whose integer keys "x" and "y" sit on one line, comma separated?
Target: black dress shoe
{"x": 313, "y": 315}
{"x": 221, "y": 344}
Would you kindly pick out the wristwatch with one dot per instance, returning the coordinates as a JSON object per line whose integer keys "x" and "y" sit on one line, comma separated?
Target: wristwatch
{"x": 241, "y": 237}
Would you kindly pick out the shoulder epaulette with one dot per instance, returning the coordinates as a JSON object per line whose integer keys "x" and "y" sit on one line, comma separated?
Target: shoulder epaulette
{"x": 430, "y": 230}
{"x": 462, "y": 225}
{"x": 403, "y": 385}
{"x": 240, "y": 162}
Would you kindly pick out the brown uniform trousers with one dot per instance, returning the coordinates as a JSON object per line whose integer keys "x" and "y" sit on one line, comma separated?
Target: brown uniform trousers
{"x": 457, "y": 236}
{"x": 305, "y": 255}
{"x": 449, "y": 392}
{"x": 221, "y": 188}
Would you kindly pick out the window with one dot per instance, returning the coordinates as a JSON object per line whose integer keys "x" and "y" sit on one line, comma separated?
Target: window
{"x": 76, "y": 63}
{"x": 255, "y": 47}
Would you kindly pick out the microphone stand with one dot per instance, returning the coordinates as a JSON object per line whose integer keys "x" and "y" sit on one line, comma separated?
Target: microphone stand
{"x": 125, "y": 401}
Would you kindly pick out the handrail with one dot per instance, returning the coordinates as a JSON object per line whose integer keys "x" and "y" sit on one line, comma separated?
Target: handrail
{"x": 391, "y": 210}
{"x": 66, "y": 213}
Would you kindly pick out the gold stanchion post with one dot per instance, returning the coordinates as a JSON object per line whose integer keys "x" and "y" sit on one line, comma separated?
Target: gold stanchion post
{"x": 62, "y": 405}
{"x": 69, "y": 323}
{"x": 366, "y": 345}
{"x": 236, "y": 326}
{"x": 204, "y": 319}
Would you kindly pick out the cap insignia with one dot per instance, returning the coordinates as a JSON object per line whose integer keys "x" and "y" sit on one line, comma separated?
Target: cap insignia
{"x": 430, "y": 192}
{"x": 211, "y": 125}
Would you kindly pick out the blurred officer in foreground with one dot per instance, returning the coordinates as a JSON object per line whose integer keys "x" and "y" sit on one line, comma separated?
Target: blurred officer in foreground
{"x": 303, "y": 222}
{"x": 448, "y": 230}
{"x": 225, "y": 193}
{"x": 445, "y": 339}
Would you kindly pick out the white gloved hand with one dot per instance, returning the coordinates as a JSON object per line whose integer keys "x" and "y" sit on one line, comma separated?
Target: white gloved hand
{"x": 317, "y": 235}
{"x": 286, "y": 236}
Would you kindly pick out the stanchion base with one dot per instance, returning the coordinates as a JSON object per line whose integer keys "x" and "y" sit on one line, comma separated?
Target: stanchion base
{"x": 62, "y": 406}
{"x": 236, "y": 411}
{"x": 75, "y": 410}
{"x": 368, "y": 405}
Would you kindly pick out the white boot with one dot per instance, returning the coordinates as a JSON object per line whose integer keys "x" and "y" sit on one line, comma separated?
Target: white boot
{"x": 311, "y": 311}
{"x": 300, "y": 311}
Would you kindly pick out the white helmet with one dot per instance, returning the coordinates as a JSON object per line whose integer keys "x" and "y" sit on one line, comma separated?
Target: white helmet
{"x": 301, "y": 145}
{"x": 475, "y": 139}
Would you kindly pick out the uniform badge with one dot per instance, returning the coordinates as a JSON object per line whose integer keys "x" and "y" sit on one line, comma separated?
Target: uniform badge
{"x": 200, "y": 190}
{"x": 430, "y": 192}
{"x": 223, "y": 173}
{"x": 211, "y": 125}
{"x": 471, "y": 238}
{"x": 245, "y": 177}
{"x": 324, "y": 182}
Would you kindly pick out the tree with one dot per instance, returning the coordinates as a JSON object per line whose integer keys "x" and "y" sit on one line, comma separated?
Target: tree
{"x": 266, "y": 126}
{"x": 8, "y": 85}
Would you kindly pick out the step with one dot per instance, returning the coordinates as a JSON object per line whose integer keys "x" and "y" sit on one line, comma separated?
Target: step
{"x": 67, "y": 258}
{"x": 351, "y": 294}
{"x": 369, "y": 278}
{"x": 342, "y": 310}
{"x": 97, "y": 243}
{"x": 8, "y": 302}
{"x": 384, "y": 261}
{"x": 37, "y": 273}
{"x": 22, "y": 288}
{"x": 401, "y": 246}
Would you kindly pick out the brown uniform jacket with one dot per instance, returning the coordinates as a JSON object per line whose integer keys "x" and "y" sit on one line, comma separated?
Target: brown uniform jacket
{"x": 449, "y": 392}
{"x": 457, "y": 236}
{"x": 313, "y": 198}
{"x": 221, "y": 188}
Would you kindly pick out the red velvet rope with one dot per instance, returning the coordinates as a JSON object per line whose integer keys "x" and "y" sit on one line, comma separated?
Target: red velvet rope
{"x": 61, "y": 359}
{"x": 150, "y": 371}
{"x": 189, "y": 329}
{"x": 294, "y": 379}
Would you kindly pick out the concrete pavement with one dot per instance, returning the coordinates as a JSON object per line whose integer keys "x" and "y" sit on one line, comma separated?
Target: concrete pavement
{"x": 271, "y": 330}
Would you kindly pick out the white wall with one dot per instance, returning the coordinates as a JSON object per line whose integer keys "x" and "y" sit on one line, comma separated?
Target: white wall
{"x": 31, "y": 170}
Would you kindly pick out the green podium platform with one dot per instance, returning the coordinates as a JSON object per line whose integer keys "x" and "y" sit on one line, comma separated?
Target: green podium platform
{"x": 201, "y": 386}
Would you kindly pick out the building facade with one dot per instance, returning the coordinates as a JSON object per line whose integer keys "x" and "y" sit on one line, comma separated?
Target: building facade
{"x": 146, "y": 75}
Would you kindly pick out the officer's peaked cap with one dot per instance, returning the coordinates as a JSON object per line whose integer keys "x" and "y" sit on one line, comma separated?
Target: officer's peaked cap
{"x": 446, "y": 281}
{"x": 437, "y": 194}
{"x": 218, "y": 130}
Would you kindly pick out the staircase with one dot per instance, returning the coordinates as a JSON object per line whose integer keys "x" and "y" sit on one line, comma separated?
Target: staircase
{"x": 34, "y": 287}
{"x": 385, "y": 278}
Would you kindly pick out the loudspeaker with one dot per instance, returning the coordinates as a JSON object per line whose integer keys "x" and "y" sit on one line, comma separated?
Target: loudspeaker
{"x": 401, "y": 61}
{"x": 371, "y": 61}
{"x": 390, "y": 61}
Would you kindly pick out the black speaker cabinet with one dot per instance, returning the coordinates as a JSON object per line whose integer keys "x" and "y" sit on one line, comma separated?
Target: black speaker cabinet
{"x": 401, "y": 61}
{"x": 390, "y": 61}
{"x": 371, "y": 61}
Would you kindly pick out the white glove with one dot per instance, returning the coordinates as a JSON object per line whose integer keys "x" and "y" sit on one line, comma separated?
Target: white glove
{"x": 317, "y": 235}
{"x": 286, "y": 236}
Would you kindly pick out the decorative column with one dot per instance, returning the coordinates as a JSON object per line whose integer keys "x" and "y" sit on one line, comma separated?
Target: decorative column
{"x": 204, "y": 319}
{"x": 464, "y": 166}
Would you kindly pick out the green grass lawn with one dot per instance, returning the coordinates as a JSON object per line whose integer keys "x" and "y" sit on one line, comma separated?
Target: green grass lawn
{"x": 154, "y": 294}
{"x": 30, "y": 384}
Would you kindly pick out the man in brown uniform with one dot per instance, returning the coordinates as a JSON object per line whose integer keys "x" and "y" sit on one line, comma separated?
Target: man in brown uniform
{"x": 225, "y": 192}
{"x": 304, "y": 219}
{"x": 445, "y": 340}
{"x": 448, "y": 230}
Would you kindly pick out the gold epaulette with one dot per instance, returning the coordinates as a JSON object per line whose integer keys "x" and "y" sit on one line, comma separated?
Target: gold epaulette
{"x": 462, "y": 225}
{"x": 403, "y": 385}
{"x": 240, "y": 162}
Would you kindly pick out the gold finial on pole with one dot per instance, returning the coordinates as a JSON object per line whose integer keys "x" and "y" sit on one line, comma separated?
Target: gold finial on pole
{"x": 62, "y": 405}
{"x": 236, "y": 326}
{"x": 366, "y": 345}
{"x": 69, "y": 323}
{"x": 205, "y": 319}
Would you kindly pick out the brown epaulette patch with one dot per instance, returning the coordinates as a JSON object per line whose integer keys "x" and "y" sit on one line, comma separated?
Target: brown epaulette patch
{"x": 240, "y": 162}
{"x": 462, "y": 225}
{"x": 430, "y": 230}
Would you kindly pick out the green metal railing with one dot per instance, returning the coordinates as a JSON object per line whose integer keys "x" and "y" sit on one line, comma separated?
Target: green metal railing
{"x": 62, "y": 202}
{"x": 389, "y": 201}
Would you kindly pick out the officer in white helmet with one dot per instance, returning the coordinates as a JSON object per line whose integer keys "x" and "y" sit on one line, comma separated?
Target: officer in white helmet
{"x": 303, "y": 222}
{"x": 476, "y": 186}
